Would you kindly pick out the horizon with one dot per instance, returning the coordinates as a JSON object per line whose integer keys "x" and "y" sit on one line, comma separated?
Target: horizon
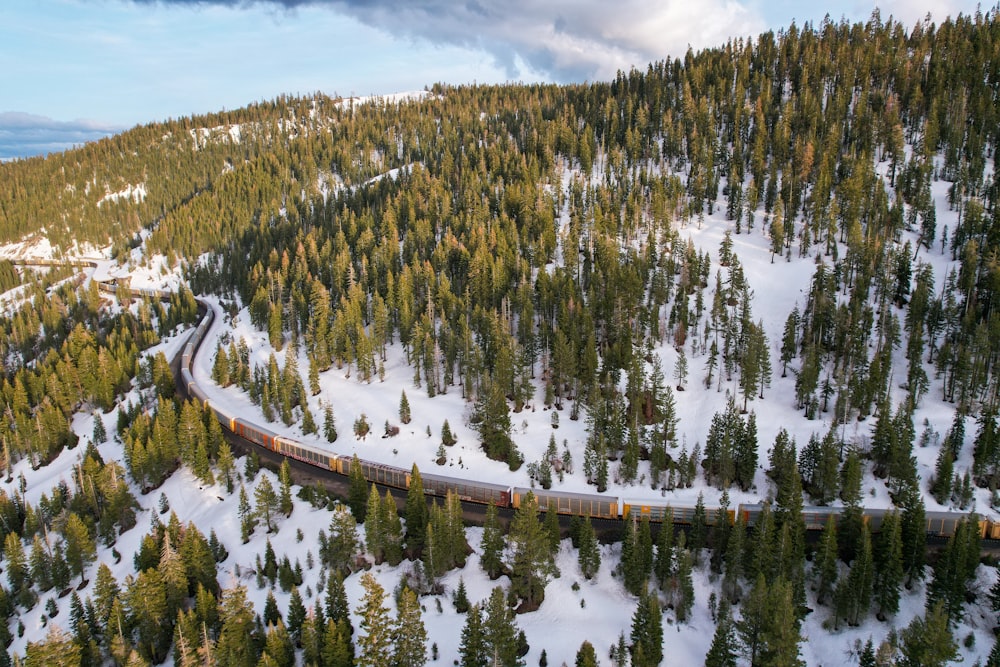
{"x": 79, "y": 70}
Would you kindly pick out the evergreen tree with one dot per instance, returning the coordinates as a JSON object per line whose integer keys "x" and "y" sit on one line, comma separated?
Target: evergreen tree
{"x": 236, "y": 646}
{"x": 888, "y": 566}
{"x": 586, "y": 656}
{"x": 723, "y": 650}
{"x": 296, "y": 614}
{"x": 248, "y": 519}
{"x": 532, "y": 562}
{"x": 416, "y": 513}
{"x": 589, "y": 555}
{"x": 472, "y": 649}
{"x": 409, "y": 634}
{"x": 492, "y": 546}
{"x": 500, "y": 631}
{"x": 357, "y": 494}
{"x": 266, "y": 502}
{"x": 825, "y": 562}
{"x": 927, "y": 640}
{"x": 375, "y": 644}
{"x": 647, "y": 632}
{"x": 285, "y": 499}
{"x": 404, "y": 408}
{"x": 329, "y": 424}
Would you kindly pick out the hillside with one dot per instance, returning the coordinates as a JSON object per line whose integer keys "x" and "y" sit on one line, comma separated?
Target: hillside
{"x": 763, "y": 272}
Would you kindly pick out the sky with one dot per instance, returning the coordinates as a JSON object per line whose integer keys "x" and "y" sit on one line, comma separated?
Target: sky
{"x": 77, "y": 70}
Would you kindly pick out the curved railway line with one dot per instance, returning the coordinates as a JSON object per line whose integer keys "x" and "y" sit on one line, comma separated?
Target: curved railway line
{"x": 476, "y": 494}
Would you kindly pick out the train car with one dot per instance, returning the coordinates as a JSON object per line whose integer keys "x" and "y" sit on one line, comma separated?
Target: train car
{"x": 656, "y": 510}
{"x": 301, "y": 452}
{"x": 468, "y": 490}
{"x": 254, "y": 433}
{"x": 563, "y": 502}
{"x": 944, "y": 524}
{"x": 815, "y": 517}
{"x": 378, "y": 473}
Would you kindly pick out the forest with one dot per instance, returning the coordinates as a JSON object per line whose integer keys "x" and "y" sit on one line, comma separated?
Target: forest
{"x": 523, "y": 244}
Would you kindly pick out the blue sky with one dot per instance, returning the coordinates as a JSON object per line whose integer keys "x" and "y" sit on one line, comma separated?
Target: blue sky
{"x": 73, "y": 70}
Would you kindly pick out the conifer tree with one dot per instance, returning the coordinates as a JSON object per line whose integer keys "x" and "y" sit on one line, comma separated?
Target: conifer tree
{"x": 723, "y": 650}
{"x": 375, "y": 644}
{"x": 472, "y": 648}
{"x": 329, "y": 424}
{"x": 409, "y": 634}
{"x": 532, "y": 562}
{"x": 500, "y": 631}
{"x": 357, "y": 494}
{"x": 226, "y": 464}
{"x": 296, "y": 614}
{"x": 491, "y": 558}
{"x": 927, "y": 641}
{"x": 888, "y": 566}
{"x": 647, "y": 632}
{"x": 248, "y": 520}
{"x": 404, "y": 408}
{"x": 236, "y": 646}
{"x": 589, "y": 556}
{"x": 285, "y": 499}
{"x": 416, "y": 513}
{"x": 586, "y": 656}
{"x": 266, "y": 502}
{"x": 825, "y": 561}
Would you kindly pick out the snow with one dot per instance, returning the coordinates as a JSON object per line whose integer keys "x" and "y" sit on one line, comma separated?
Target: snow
{"x": 135, "y": 193}
{"x": 599, "y": 610}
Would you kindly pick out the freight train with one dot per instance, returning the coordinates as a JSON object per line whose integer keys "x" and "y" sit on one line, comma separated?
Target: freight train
{"x": 593, "y": 505}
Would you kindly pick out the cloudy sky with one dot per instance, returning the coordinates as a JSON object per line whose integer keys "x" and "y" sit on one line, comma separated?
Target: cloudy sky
{"x": 73, "y": 70}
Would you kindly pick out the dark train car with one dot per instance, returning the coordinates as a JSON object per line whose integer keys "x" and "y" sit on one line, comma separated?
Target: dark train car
{"x": 469, "y": 490}
{"x": 564, "y": 502}
{"x": 379, "y": 473}
{"x": 656, "y": 510}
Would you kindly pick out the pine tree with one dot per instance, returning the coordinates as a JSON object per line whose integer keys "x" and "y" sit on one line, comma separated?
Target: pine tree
{"x": 296, "y": 614}
{"x": 375, "y": 644}
{"x": 532, "y": 562}
{"x": 589, "y": 556}
{"x": 888, "y": 566}
{"x": 416, "y": 513}
{"x": 271, "y": 613}
{"x": 329, "y": 424}
{"x": 927, "y": 641}
{"x": 780, "y": 637}
{"x": 80, "y": 547}
{"x": 285, "y": 499}
{"x": 500, "y": 631}
{"x": 825, "y": 561}
{"x": 374, "y": 528}
{"x": 248, "y": 519}
{"x": 338, "y": 649}
{"x": 357, "y": 494}
{"x": 404, "y": 408}
{"x": 225, "y": 463}
{"x": 492, "y": 544}
{"x": 472, "y": 648}
{"x": 279, "y": 651}
{"x": 236, "y": 646}
{"x": 647, "y": 632}
{"x": 267, "y": 502}
{"x": 447, "y": 437}
{"x": 409, "y": 634}
{"x": 753, "y": 618}
{"x": 586, "y": 656}
{"x": 723, "y": 650}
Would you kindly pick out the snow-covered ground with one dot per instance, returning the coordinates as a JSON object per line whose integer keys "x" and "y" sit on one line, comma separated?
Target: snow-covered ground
{"x": 598, "y": 611}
